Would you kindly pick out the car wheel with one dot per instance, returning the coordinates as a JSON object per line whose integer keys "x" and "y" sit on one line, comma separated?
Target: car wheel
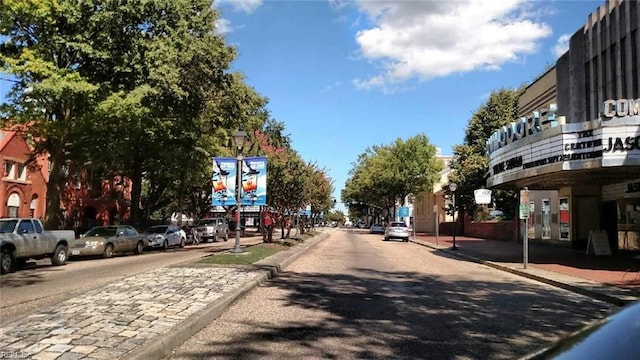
{"x": 386, "y": 239}
{"x": 108, "y": 251}
{"x": 7, "y": 261}
{"x": 60, "y": 255}
{"x": 406, "y": 239}
{"x": 182, "y": 241}
{"x": 165, "y": 244}
{"x": 139, "y": 247}
{"x": 226, "y": 236}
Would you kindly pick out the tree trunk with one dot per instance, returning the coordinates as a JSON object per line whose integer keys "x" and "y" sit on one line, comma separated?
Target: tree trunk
{"x": 55, "y": 187}
{"x": 136, "y": 190}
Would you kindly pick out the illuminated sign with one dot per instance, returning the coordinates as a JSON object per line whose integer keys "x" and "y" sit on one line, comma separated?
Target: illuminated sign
{"x": 621, "y": 108}
{"x": 525, "y": 126}
{"x": 574, "y": 149}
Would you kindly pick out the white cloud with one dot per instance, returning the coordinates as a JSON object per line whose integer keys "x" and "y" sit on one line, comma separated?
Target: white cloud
{"x": 247, "y": 6}
{"x": 223, "y": 26}
{"x": 427, "y": 39}
{"x": 562, "y": 45}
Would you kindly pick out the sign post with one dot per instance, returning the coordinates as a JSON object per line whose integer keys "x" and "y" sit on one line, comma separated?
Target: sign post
{"x": 524, "y": 215}
{"x": 435, "y": 211}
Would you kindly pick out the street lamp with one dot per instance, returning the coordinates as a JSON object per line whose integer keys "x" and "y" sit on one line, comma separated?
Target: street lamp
{"x": 412, "y": 200}
{"x": 453, "y": 187}
{"x": 238, "y": 139}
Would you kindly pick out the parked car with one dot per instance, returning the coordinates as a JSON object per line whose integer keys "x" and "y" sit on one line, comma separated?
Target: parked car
{"x": 397, "y": 230}
{"x": 376, "y": 229}
{"x": 213, "y": 229}
{"x": 22, "y": 239}
{"x": 108, "y": 240}
{"x": 165, "y": 236}
{"x": 614, "y": 337}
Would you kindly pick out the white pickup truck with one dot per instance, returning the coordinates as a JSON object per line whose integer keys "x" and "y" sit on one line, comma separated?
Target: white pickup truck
{"x": 25, "y": 238}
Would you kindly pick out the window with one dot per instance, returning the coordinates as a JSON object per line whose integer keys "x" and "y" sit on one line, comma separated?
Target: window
{"x": 565, "y": 218}
{"x": 22, "y": 172}
{"x": 9, "y": 170}
{"x": 25, "y": 227}
{"x": 13, "y": 205}
{"x": 38, "y": 227}
{"x": 546, "y": 218}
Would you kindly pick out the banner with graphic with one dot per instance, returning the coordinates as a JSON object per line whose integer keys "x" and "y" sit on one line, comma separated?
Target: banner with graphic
{"x": 254, "y": 181}
{"x": 224, "y": 182}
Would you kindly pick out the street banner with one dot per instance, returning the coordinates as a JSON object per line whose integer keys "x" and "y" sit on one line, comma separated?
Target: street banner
{"x": 254, "y": 181}
{"x": 223, "y": 181}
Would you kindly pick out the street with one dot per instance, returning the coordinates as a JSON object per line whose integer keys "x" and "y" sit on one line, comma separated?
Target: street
{"x": 356, "y": 296}
{"x": 40, "y": 284}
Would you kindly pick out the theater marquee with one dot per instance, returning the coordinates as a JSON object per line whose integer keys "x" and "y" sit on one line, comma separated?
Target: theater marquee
{"x": 593, "y": 144}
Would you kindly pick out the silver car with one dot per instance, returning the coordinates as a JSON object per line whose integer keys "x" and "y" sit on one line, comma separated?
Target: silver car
{"x": 376, "y": 229}
{"x": 397, "y": 230}
{"x": 164, "y": 236}
{"x": 108, "y": 240}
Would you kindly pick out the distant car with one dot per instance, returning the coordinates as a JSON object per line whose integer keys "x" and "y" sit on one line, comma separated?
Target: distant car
{"x": 397, "y": 230}
{"x": 213, "y": 229}
{"x": 615, "y": 337}
{"x": 165, "y": 236}
{"x": 108, "y": 240}
{"x": 376, "y": 229}
{"x": 494, "y": 214}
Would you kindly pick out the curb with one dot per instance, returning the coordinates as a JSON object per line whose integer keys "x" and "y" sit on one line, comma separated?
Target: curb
{"x": 176, "y": 336}
{"x": 590, "y": 293}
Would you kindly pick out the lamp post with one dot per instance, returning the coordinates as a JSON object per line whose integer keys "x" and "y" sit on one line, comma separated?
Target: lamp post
{"x": 238, "y": 139}
{"x": 453, "y": 187}
{"x": 412, "y": 200}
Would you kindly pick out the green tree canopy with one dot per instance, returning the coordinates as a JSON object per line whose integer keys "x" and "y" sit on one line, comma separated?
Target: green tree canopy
{"x": 470, "y": 162}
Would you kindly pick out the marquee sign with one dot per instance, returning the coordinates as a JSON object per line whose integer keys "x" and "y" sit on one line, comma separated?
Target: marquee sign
{"x": 621, "y": 108}
{"x": 609, "y": 145}
{"x": 525, "y": 126}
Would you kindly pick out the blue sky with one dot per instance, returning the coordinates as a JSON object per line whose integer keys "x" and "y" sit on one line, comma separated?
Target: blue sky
{"x": 344, "y": 75}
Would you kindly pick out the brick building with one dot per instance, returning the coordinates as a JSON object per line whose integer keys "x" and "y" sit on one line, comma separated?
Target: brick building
{"x": 88, "y": 199}
{"x": 22, "y": 189}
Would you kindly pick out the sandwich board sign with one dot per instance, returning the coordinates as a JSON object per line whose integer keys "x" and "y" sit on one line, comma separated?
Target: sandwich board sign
{"x": 598, "y": 243}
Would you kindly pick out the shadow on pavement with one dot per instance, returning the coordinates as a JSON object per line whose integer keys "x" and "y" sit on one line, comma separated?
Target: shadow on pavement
{"x": 405, "y": 315}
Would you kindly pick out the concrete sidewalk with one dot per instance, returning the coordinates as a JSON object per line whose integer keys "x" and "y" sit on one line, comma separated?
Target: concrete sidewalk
{"x": 140, "y": 317}
{"x": 614, "y": 279}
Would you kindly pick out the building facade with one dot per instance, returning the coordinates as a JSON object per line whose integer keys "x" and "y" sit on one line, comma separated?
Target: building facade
{"x": 428, "y": 207}
{"x": 576, "y": 146}
{"x": 87, "y": 199}
{"x": 23, "y": 188}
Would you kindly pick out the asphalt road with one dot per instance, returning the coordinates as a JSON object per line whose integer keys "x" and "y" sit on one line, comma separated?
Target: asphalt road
{"x": 40, "y": 283}
{"x": 355, "y": 296}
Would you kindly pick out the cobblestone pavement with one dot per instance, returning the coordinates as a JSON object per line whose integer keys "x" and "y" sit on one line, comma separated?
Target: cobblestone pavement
{"x": 109, "y": 322}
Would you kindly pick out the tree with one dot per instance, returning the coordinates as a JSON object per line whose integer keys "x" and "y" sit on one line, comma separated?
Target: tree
{"x": 470, "y": 162}
{"x": 386, "y": 174}
{"x": 136, "y": 89}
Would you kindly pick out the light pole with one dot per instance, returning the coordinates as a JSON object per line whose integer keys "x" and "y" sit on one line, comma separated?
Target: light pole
{"x": 453, "y": 187}
{"x": 238, "y": 139}
{"x": 412, "y": 200}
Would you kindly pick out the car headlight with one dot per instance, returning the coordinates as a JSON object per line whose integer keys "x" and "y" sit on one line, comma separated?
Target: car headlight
{"x": 95, "y": 243}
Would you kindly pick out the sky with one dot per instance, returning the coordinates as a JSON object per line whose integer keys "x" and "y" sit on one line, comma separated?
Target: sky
{"x": 344, "y": 75}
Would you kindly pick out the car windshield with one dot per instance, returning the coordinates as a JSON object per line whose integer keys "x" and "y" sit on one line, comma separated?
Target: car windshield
{"x": 398, "y": 224}
{"x": 102, "y": 231}
{"x": 7, "y": 226}
{"x": 157, "y": 230}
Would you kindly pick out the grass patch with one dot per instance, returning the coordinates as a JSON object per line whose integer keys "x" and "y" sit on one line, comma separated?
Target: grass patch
{"x": 250, "y": 255}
